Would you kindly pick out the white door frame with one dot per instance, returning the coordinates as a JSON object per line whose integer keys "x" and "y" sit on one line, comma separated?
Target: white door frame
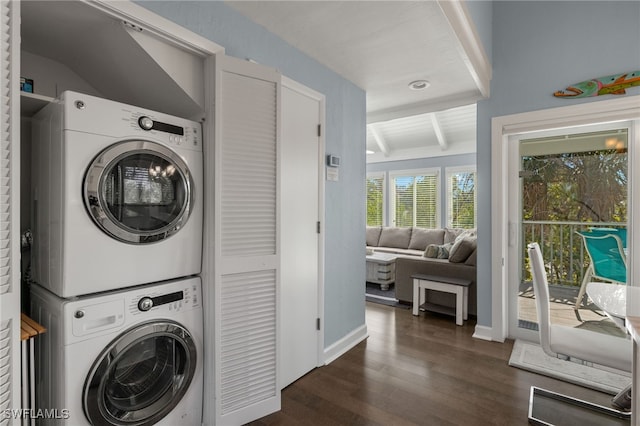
{"x": 300, "y": 88}
{"x": 157, "y": 25}
{"x": 622, "y": 109}
{"x": 515, "y": 211}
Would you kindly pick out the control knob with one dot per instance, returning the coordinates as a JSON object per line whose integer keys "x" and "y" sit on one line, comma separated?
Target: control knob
{"x": 145, "y": 304}
{"x": 145, "y": 122}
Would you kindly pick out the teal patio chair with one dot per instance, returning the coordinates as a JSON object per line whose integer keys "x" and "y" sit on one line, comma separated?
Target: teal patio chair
{"x": 619, "y": 232}
{"x": 608, "y": 262}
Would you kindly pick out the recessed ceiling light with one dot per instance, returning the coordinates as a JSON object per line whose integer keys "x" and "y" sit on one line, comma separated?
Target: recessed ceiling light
{"x": 369, "y": 152}
{"x": 419, "y": 85}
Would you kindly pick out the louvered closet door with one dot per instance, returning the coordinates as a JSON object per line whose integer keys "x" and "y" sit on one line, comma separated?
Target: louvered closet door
{"x": 247, "y": 241}
{"x": 9, "y": 212}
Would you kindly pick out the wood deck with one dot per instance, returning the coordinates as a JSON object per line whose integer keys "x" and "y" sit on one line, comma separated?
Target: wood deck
{"x": 562, "y": 313}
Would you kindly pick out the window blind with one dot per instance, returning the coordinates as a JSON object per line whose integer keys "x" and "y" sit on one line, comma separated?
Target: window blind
{"x": 416, "y": 200}
{"x": 375, "y": 200}
{"x": 461, "y": 195}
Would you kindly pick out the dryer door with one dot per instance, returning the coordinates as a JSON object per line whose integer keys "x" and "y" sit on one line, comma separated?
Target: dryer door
{"x": 141, "y": 376}
{"x": 138, "y": 191}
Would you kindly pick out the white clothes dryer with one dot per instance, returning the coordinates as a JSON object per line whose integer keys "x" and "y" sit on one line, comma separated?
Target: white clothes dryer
{"x": 129, "y": 357}
{"x": 117, "y": 193}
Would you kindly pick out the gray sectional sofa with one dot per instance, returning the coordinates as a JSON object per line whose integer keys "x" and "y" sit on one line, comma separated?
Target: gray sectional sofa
{"x": 455, "y": 247}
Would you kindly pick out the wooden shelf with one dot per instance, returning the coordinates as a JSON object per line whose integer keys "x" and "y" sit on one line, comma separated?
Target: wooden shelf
{"x": 30, "y": 103}
{"x": 29, "y": 328}
{"x": 440, "y": 309}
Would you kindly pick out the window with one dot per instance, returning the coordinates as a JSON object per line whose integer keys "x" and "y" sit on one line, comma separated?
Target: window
{"x": 415, "y": 199}
{"x": 461, "y": 197}
{"x": 375, "y": 199}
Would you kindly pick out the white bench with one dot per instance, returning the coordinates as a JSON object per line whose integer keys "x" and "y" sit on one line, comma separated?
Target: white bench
{"x": 459, "y": 287}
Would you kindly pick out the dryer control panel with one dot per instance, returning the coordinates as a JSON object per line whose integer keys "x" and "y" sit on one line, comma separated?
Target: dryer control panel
{"x": 90, "y": 114}
{"x": 179, "y": 132}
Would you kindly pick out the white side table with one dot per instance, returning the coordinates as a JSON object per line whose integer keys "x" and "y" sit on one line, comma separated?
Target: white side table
{"x": 459, "y": 287}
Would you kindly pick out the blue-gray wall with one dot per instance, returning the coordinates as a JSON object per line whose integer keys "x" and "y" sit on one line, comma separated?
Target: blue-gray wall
{"x": 422, "y": 163}
{"x": 345, "y": 137}
{"x": 481, "y": 13}
{"x": 538, "y": 48}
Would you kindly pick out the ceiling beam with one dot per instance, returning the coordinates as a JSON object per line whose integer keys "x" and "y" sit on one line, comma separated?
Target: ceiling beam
{"x": 470, "y": 45}
{"x": 377, "y": 136}
{"x": 420, "y": 108}
{"x": 437, "y": 129}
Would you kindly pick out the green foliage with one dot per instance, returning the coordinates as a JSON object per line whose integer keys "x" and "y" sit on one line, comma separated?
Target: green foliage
{"x": 583, "y": 186}
{"x": 573, "y": 191}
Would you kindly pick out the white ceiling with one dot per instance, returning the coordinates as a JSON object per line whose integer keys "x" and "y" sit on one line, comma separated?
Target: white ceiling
{"x": 447, "y": 132}
{"x": 382, "y": 46}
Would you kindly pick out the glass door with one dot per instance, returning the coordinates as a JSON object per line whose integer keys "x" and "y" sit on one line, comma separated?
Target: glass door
{"x": 564, "y": 183}
{"x": 141, "y": 376}
{"x": 138, "y": 192}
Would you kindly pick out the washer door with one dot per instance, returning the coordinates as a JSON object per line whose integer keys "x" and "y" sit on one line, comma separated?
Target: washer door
{"x": 138, "y": 191}
{"x": 141, "y": 376}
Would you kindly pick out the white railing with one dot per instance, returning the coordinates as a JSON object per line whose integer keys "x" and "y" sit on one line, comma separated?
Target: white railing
{"x": 562, "y": 249}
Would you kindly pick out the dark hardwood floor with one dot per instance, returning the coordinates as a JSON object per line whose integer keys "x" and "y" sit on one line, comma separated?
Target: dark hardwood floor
{"x": 417, "y": 371}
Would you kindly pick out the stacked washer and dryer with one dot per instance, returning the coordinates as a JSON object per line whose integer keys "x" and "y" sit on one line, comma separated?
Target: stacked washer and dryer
{"x": 117, "y": 225}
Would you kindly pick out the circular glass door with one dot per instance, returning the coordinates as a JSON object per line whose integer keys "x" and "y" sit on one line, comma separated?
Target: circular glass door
{"x": 141, "y": 376}
{"x": 138, "y": 191}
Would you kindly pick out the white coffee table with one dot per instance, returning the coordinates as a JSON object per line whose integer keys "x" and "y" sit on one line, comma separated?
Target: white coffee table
{"x": 381, "y": 269}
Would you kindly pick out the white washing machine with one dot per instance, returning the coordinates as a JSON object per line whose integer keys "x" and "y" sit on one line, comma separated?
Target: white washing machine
{"x": 130, "y": 357}
{"x": 117, "y": 196}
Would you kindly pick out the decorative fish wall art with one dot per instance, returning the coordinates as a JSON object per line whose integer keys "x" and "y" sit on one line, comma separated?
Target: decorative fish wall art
{"x": 609, "y": 85}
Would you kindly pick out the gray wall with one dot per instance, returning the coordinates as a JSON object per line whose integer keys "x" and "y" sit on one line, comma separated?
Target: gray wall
{"x": 345, "y": 137}
{"x": 423, "y": 163}
{"x": 540, "y": 47}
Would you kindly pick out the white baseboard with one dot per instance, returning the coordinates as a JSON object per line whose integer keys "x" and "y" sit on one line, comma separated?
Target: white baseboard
{"x": 483, "y": 333}
{"x": 337, "y": 349}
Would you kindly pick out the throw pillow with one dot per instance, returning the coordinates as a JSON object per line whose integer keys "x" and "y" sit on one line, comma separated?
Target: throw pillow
{"x": 472, "y": 233}
{"x": 437, "y": 251}
{"x": 472, "y": 259}
{"x": 462, "y": 249}
{"x": 452, "y": 234}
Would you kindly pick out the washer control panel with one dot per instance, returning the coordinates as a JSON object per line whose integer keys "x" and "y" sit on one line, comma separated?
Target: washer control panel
{"x": 93, "y": 317}
{"x": 183, "y": 299}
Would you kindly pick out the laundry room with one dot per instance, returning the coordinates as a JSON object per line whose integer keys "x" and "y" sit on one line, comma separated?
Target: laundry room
{"x": 111, "y": 217}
